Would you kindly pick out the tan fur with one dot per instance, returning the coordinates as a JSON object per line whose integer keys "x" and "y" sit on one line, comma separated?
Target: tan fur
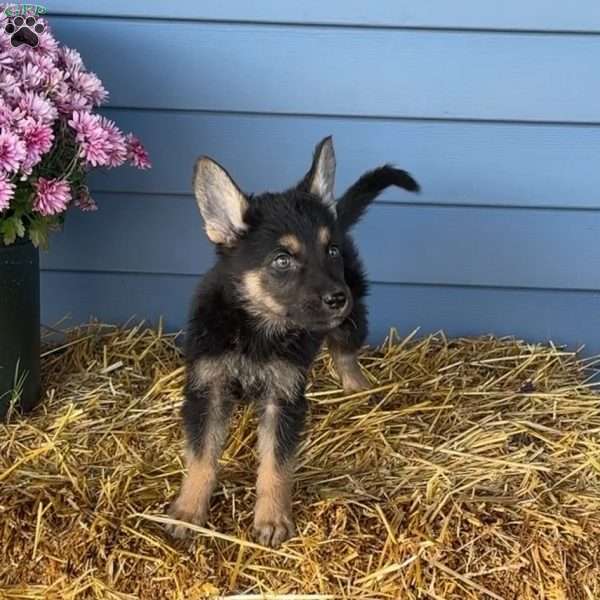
{"x": 271, "y": 314}
{"x": 257, "y": 295}
{"x": 291, "y": 243}
{"x": 192, "y": 503}
{"x": 198, "y": 485}
{"x": 349, "y": 371}
{"x": 273, "y": 521}
{"x": 324, "y": 236}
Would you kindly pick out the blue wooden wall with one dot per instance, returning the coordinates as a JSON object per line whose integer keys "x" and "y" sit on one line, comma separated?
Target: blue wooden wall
{"x": 493, "y": 106}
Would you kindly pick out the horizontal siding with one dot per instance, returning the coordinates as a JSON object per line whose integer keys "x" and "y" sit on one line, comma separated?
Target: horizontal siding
{"x": 530, "y": 314}
{"x": 320, "y": 70}
{"x": 429, "y": 245}
{"x": 491, "y": 105}
{"x": 455, "y": 162}
{"x": 568, "y": 15}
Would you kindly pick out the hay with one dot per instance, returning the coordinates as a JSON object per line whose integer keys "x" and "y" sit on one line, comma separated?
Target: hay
{"x": 471, "y": 471}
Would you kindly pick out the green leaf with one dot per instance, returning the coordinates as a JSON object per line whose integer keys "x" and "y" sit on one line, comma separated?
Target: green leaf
{"x": 38, "y": 233}
{"x": 11, "y": 228}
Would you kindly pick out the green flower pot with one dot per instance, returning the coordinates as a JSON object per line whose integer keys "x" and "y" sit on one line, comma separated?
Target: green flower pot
{"x": 19, "y": 326}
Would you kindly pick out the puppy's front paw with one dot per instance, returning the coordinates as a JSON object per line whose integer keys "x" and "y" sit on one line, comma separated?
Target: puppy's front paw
{"x": 348, "y": 369}
{"x": 272, "y": 526}
{"x": 180, "y": 513}
{"x": 354, "y": 381}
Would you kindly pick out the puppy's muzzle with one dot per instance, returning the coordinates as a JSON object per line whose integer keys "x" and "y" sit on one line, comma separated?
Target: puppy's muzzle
{"x": 335, "y": 301}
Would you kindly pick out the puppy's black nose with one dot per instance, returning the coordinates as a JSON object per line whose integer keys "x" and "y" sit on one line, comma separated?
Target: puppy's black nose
{"x": 335, "y": 300}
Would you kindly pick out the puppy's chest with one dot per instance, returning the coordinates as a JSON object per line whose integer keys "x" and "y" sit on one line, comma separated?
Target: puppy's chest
{"x": 251, "y": 377}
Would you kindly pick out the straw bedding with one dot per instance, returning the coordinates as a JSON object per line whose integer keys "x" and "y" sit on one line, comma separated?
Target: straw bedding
{"x": 471, "y": 470}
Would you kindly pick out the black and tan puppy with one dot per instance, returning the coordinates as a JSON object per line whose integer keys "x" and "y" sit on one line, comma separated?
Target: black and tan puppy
{"x": 287, "y": 278}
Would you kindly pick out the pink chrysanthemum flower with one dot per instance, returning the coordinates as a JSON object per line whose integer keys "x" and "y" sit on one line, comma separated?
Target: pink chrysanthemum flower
{"x": 89, "y": 86}
{"x": 69, "y": 101}
{"x": 95, "y": 150}
{"x": 38, "y": 138}
{"x": 9, "y": 116}
{"x": 52, "y": 196}
{"x": 47, "y": 126}
{"x": 6, "y": 59}
{"x": 100, "y": 141}
{"x": 37, "y": 107}
{"x": 136, "y": 153}
{"x": 9, "y": 86}
{"x": 12, "y": 152}
{"x": 7, "y": 190}
{"x": 93, "y": 138}
{"x": 116, "y": 148}
{"x": 46, "y": 43}
{"x": 84, "y": 124}
{"x": 31, "y": 76}
{"x": 54, "y": 82}
{"x": 71, "y": 59}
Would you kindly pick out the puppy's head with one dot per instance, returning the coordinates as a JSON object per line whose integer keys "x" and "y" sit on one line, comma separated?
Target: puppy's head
{"x": 283, "y": 252}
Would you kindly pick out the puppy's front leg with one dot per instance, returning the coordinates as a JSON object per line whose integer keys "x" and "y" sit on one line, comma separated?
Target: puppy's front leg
{"x": 206, "y": 412}
{"x": 279, "y": 432}
{"x": 344, "y": 343}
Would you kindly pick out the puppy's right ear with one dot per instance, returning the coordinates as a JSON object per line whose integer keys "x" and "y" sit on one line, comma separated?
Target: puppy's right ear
{"x": 220, "y": 201}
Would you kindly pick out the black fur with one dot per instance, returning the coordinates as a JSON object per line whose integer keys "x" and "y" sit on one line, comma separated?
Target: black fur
{"x": 256, "y": 326}
{"x": 353, "y": 204}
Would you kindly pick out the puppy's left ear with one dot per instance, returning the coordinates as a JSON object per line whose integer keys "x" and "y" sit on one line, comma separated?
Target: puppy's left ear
{"x": 320, "y": 179}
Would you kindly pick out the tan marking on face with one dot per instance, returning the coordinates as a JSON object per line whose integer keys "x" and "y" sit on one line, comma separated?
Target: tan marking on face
{"x": 349, "y": 371}
{"x": 291, "y": 242}
{"x": 324, "y": 236}
{"x": 257, "y": 295}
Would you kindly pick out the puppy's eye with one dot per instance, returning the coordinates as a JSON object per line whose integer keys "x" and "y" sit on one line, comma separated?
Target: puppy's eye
{"x": 333, "y": 252}
{"x": 282, "y": 262}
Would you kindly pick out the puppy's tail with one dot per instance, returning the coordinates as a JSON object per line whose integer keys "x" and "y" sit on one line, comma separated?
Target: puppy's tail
{"x": 357, "y": 198}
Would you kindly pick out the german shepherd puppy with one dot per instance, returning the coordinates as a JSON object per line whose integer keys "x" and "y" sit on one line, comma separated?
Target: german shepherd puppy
{"x": 287, "y": 277}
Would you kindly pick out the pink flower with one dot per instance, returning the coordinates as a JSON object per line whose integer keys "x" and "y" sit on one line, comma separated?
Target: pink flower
{"x": 38, "y": 138}
{"x": 89, "y": 86}
{"x": 12, "y": 152}
{"x": 71, "y": 59}
{"x": 46, "y": 43}
{"x": 85, "y": 124}
{"x": 101, "y": 143}
{"x": 117, "y": 149}
{"x": 48, "y": 126}
{"x": 33, "y": 105}
{"x": 6, "y": 192}
{"x": 9, "y": 116}
{"x": 52, "y": 196}
{"x": 67, "y": 100}
{"x": 93, "y": 138}
{"x": 50, "y": 75}
{"x": 6, "y": 59}
{"x": 9, "y": 86}
{"x": 31, "y": 76}
{"x": 136, "y": 153}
